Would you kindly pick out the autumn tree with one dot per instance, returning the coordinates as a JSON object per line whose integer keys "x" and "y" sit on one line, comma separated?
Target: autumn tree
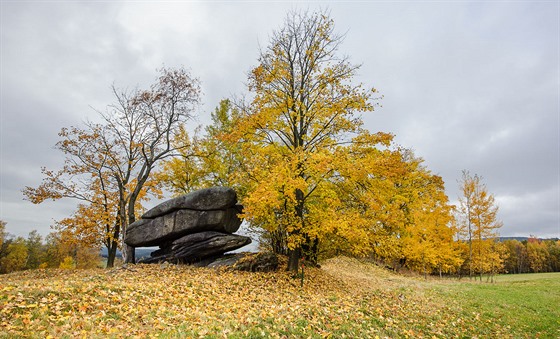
{"x": 537, "y": 254}
{"x": 307, "y": 171}
{"x": 495, "y": 260}
{"x": 478, "y": 222}
{"x": 54, "y": 254}
{"x": 427, "y": 238}
{"x": 553, "y": 248}
{"x": 2, "y": 232}
{"x": 296, "y": 131}
{"x": 15, "y": 256}
{"x": 108, "y": 165}
{"x": 208, "y": 160}
{"x": 35, "y": 250}
{"x": 517, "y": 260}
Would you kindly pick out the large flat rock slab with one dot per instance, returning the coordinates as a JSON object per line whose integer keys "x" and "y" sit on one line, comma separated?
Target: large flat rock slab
{"x": 207, "y": 199}
{"x": 171, "y": 226}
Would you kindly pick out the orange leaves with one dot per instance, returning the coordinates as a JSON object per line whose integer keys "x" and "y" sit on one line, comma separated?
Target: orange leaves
{"x": 346, "y": 298}
{"x": 82, "y": 177}
{"x": 108, "y": 165}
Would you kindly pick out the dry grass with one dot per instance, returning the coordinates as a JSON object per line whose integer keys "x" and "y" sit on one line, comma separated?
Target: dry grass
{"x": 365, "y": 275}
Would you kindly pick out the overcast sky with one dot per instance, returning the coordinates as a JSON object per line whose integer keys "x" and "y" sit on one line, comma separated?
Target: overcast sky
{"x": 467, "y": 85}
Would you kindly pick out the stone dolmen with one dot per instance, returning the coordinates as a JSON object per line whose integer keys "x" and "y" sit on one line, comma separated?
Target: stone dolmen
{"x": 191, "y": 228}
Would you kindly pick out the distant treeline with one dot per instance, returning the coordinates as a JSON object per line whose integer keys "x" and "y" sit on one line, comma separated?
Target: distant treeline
{"x": 518, "y": 254}
{"x": 531, "y": 255}
{"x": 502, "y": 239}
{"x": 19, "y": 253}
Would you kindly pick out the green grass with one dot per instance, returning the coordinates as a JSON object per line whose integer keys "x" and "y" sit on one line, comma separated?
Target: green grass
{"x": 346, "y": 298}
{"x": 527, "y": 305}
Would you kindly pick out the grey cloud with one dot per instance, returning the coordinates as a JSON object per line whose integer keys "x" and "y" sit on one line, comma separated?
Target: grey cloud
{"x": 467, "y": 85}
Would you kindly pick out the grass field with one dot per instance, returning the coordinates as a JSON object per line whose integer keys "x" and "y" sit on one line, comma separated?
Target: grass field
{"x": 345, "y": 298}
{"x": 525, "y": 304}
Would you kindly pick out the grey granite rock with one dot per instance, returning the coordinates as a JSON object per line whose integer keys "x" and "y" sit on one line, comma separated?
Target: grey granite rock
{"x": 168, "y": 227}
{"x": 198, "y": 246}
{"x": 213, "y": 198}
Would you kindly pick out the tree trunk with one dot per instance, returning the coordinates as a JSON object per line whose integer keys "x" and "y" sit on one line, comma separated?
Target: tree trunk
{"x": 129, "y": 253}
{"x": 424, "y": 269}
{"x": 111, "y": 254}
{"x": 278, "y": 241}
{"x": 142, "y": 178}
{"x": 295, "y": 255}
{"x": 470, "y": 236}
{"x": 114, "y": 245}
{"x": 293, "y": 259}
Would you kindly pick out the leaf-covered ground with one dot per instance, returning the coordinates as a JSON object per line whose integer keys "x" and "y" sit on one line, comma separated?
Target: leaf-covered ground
{"x": 345, "y": 298}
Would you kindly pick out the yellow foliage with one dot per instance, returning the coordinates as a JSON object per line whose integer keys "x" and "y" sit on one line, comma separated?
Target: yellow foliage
{"x": 15, "y": 257}
{"x": 306, "y": 170}
{"x": 207, "y": 161}
{"x": 537, "y": 255}
{"x": 67, "y": 263}
{"x": 428, "y": 238}
{"x": 294, "y": 138}
{"x": 478, "y": 224}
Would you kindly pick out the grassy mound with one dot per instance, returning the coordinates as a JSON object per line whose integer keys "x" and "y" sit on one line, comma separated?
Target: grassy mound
{"x": 345, "y": 298}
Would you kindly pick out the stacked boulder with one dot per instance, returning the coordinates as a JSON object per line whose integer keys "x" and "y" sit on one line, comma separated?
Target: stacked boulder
{"x": 191, "y": 228}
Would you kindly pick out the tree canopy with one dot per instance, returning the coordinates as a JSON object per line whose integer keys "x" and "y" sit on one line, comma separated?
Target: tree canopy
{"x": 313, "y": 180}
{"x": 108, "y": 165}
{"x": 295, "y": 133}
